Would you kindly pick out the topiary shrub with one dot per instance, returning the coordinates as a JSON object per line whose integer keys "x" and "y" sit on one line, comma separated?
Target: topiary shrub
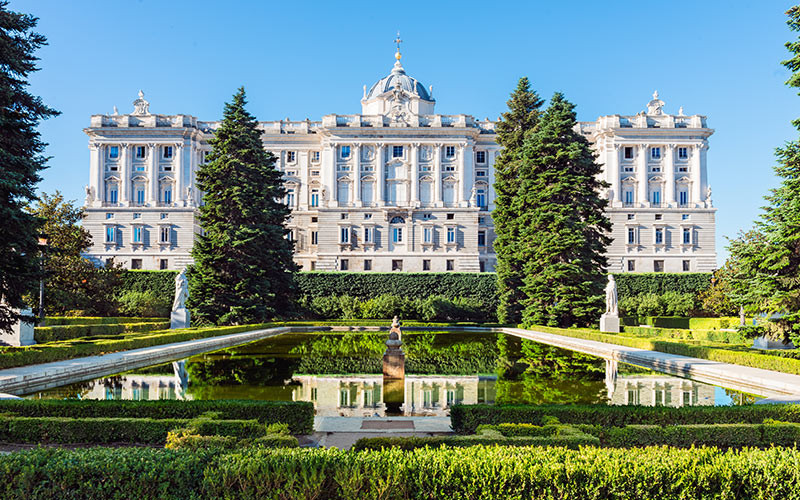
{"x": 144, "y": 304}
{"x": 650, "y": 304}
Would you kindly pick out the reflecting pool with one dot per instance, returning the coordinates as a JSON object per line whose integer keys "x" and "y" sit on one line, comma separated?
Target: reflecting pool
{"x": 341, "y": 374}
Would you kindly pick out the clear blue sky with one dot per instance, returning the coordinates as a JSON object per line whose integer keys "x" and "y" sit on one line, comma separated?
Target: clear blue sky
{"x": 303, "y": 59}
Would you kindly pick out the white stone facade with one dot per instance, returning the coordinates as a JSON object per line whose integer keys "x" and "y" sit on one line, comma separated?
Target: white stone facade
{"x": 396, "y": 188}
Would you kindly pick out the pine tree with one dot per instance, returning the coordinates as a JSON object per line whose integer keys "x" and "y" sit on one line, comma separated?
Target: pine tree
{"x": 771, "y": 253}
{"x": 521, "y": 117}
{"x": 21, "y": 161}
{"x": 243, "y": 271}
{"x": 563, "y": 230}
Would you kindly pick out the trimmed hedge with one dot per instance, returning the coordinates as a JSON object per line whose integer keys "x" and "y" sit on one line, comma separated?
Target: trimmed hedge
{"x": 684, "y": 323}
{"x": 298, "y": 415}
{"x": 723, "y": 336}
{"x": 57, "y": 351}
{"x": 685, "y": 436}
{"x": 161, "y": 283}
{"x": 465, "y": 419}
{"x": 87, "y": 320}
{"x": 66, "y": 332}
{"x": 631, "y": 284}
{"x": 724, "y": 353}
{"x": 476, "y": 472}
{"x": 115, "y": 430}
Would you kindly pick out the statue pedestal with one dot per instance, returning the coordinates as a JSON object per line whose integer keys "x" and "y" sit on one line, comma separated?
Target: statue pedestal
{"x": 179, "y": 318}
{"x": 394, "y": 364}
{"x": 609, "y": 323}
{"x": 21, "y": 333}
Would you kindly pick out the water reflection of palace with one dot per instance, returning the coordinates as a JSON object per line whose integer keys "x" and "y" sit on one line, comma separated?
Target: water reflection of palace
{"x": 363, "y": 395}
{"x": 659, "y": 390}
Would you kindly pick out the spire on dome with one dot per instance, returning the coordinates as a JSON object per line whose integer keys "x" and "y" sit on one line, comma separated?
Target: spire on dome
{"x": 398, "y": 41}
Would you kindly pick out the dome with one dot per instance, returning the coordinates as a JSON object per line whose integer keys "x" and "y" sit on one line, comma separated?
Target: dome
{"x": 398, "y": 75}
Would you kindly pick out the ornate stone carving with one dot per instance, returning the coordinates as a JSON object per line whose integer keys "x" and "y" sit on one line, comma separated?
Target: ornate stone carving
{"x": 611, "y": 296}
{"x": 141, "y": 106}
{"x": 655, "y": 106}
{"x": 89, "y": 195}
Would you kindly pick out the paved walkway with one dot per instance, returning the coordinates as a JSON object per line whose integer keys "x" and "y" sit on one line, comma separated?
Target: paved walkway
{"x": 343, "y": 432}
{"x": 743, "y": 378}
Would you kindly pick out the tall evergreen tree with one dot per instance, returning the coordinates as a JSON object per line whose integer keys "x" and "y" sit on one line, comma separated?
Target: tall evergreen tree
{"x": 243, "y": 270}
{"x": 21, "y": 160}
{"x": 771, "y": 253}
{"x": 563, "y": 229}
{"x": 521, "y": 117}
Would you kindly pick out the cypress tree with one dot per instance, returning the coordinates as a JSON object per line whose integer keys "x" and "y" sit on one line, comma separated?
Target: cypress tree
{"x": 522, "y": 115}
{"x": 21, "y": 160}
{"x": 243, "y": 271}
{"x": 563, "y": 230}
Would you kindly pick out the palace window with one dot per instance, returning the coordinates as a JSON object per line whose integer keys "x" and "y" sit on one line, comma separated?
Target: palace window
{"x": 345, "y": 152}
{"x": 109, "y": 215}
{"x": 687, "y": 265}
{"x": 658, "y": 216}
{"x": 451, "y": 235}
{"x": 137, "y": 234}
{"x": 113, "y": 152}
{"x": 480, "y": 198}
{"x": 344, "y": 235}
{"x": 427, "y": 235}
{"x": 315, "y": 156}
{"x": 140, "y": 194}
{"x": 166, "y": 234}
{"x": 315, "y": 173}
{"x": 367, "y": 216}
{"x": 480, "y": 156}
{"x": 451, "y": 265}
{"x": 450, "y": 151}
{"x": 480, "y": 173}
{"x": 315, "y": 198}
{"x": 166, "y": 194}
{"x": 140, "y": 152}
{"x": 683, "y": 197}
{"x": 655, "y": 153}
{"x": 659, "y": 236}
{"x": 629, "y": 197}
{"x": 137, "y": 215}
{"x": 631, "y": 265}
{"x": 451, "y": 216}
{"x": 367, "y": 267}
{"x": 314, "y": 237}
{"x": 628, "y": 153}
{"x": 290, "y": 198}
{"x": 167, "y": 152}
{"x": 136, "y": 263}
{"x": 687, "y": 236}
{"x": 656, "y": 198}
{"x": 111, "y": 233}
{"x": 683, "y": 153}
{"x": 481, "y": 238}
{"x": 658, "y": 266}
{"x": 344, "y": 265}
{"x": 426, "y": 264}
{"x": 367, "y": 235}
{"x": 631, "y": 236}
{"x": 291, "y": 157}
{"x": 113, "y": 193}
{"x": 397, "y": 265}
{"x": 163, "y": 264}
{"x": 684, "y": 216}
{"x": 631, "y": 216}
{"x": 397, "y": 151}
{"x": 397, "y": 234}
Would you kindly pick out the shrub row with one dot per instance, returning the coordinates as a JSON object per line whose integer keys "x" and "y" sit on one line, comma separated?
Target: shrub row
{"x": 57, "y": 351}
{"x": 197, "y": 442}
{"x": 653, "y": 304}
{"x": 683, "y": 323}
{"x": 475, "y": 472}
{"x": 552, "y": 435}
{"x": 161, "y": 283}
{"x": 432, "y": 308}
{"x": 65, "y": 332}
{"x": 737, "y": 355}
{"x": 632, "y": 284}
{"x": 685, "y": 436}
{"x": 299, "y": 416}
{"x": 723, "y": 336}
{"x": 87, "y": 320}
{"x": 465, "y": 419}
{"x": 115, "y": 430}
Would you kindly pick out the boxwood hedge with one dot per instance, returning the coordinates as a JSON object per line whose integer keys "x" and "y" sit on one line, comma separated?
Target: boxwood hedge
{"x": 631, "y": 284}
{"x": 475, "y": 472}
{"x": 298, "y": 415}
{"x": 465, "y": 419}
{"x": 94, "y": 320}
{"x": 55, "y": 333}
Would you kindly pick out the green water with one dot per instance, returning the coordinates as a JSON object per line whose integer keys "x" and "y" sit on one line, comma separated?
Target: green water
{"x": 341, "y": 374}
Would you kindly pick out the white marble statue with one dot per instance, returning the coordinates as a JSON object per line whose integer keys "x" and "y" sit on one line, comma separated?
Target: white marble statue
{"x": 181, "y": 291}
{"x": 611, "y": 296}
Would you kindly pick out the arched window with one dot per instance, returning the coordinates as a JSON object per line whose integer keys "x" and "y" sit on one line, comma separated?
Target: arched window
{"x": 397, "y": 220}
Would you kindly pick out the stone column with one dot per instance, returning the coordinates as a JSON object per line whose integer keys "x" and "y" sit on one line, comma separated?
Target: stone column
{"x": 96, "y": 174}
{"x": 491, "y": 156}
{"x": 669, "y": 175}
{"x": 125, "y": 175}
{"x": 356, "y": 175}
{"x": 462, "y": 197}
{"x": 642, "y": 199}
{"x": 467, "y": 173}
{"x": 302, "y": 189}
{"x": 381, "y": 174}
{"x": 152, "y": 175}
{"x": 328, "y": 171}
{"x": 437, "y": 175}
{"x": 614, "y": 176}
{"x": 414, "y": 195}
{"x": 179, "y": 196}
{"x": 695, "y": 174}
